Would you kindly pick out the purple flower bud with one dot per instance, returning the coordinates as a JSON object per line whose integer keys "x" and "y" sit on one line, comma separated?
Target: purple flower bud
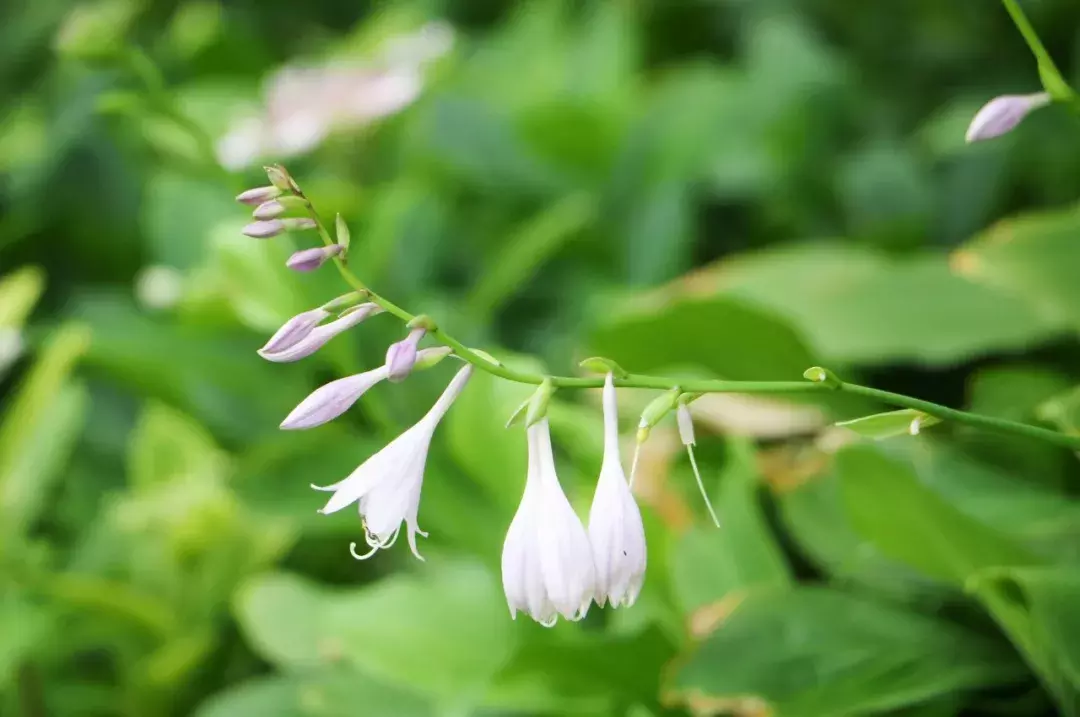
{"x": 265, "y": 229}
{"x": 273, "y": 227}
{"x": 311, "y": 259}
{"x": 258, "y": 195}
{"x": 317, "y": 337}
{"x": 269, "y": 210}
{"x": 1002, "y": 114}
{"x": 401, "y": 356}
{"x": 330, "y": 401}
{"x": 294, "y": 330}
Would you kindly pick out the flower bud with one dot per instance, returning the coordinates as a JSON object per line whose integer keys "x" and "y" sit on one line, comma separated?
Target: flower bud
{"x": 401, "y": 356}
{"x": 686, "y": 424}
{"x": 317, "y": 337}
{"x": 269, "y": 210}
{"x": 273, "y": 227}
{"x": 311, "y": 259}
{"x": 294, "y": 330}
{"x": 341, "y": 232}
{"x": 538, "y": 403}
{"x": 280, "y": 178}
{"x": 1002, "y": 114}
{"x": 655, "y": 411}
{"x": 258, "y": 195}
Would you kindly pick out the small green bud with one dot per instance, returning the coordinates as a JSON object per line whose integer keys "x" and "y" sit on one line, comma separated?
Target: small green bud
{"x": 426, "y": 358}
{"x": 280, "y": 178}
{"x": 538, "y": 404}
{"x": 423, "y": 321}
{"x": 817, "y": 374}
{"x": 341, "y": 232}
{"x": 601, "y": 365}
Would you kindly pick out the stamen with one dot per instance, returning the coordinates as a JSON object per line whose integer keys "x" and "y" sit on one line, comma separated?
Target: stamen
{"x": 633, "y": 464}
{"x": 701, "y": 486}
{"x": 365, "y": 556}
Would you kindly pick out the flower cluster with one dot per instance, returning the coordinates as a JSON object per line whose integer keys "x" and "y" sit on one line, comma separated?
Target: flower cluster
{"x": 552, "y": 563}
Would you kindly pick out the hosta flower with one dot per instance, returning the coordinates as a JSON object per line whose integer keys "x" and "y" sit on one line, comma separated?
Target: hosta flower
{"x": 401, "y": 356}
{"x": 312, "y": 259}
{"x": 331, "y": 400}
{"x": 290, "y": 348}
{"x": 547, "y": 564}
{"x": 1002, "y": 114}
{"x": 615, "y": 528}
{"x": 387, "y": 485}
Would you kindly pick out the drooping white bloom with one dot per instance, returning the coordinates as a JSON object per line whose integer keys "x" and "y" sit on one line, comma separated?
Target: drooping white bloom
{"x": 387, "y": 485}
{"x": 616, "y": 532}
{"x": 547, "y": 563}
{"x": 1002, "y": 114}
{"x": 283, "y": 351}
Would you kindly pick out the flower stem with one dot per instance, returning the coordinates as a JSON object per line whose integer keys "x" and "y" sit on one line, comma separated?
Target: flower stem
{"x": 975, "y": 420}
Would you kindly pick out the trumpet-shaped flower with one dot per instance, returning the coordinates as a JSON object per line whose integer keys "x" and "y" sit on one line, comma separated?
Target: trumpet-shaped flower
{"x": 616, "y": 532}
{"x": 288, "y": 347}
{"x": 387, "y": 485}
{"x": 547, "y": 564}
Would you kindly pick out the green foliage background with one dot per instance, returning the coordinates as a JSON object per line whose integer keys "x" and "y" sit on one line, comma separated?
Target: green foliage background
{"x": 720, "y": 188}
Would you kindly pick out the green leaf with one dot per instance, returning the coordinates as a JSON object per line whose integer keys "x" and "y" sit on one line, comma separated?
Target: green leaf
{"x": 167, "y": 446}
{"x": 1033, "y": 257}
{"x": 888, "y": 425}
{"x": 451, "y": 619}
{"x": 728, "y": 337}
{"x": 1037, "y": 609}
{"x": 323, "y": 693}
{"x": 708, "y": 563}
{"x": 857, "y": 305}
{"x": 24, "y": 626}
{"x": 19, "y": 292}
{"x": 911, "y": 523}
{"x": 817, "y": 651}
{"x": 40, "y": 427}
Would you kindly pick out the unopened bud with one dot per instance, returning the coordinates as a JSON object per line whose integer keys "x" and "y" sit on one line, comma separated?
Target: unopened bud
{"x": 294, "y": 330}
{"x": 258, "y": 195}
{"x": 1002, "y": 114}
{"x": 401, "y": 356}
{"x": 817, "y": 374}
{"x": 311, "y": 259}
{"x": 269, "y": 210}
{"x": 273, "y": 227}
{"x": 686, "y": 424}
{"x": 280, "y": 178}
{"x": 341, "y": 232}
{"x": 426, "y": 358}
{"x": 317, "y": 337}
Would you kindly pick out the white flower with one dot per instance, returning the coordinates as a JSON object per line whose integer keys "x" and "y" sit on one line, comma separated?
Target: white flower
{"x": 387, "y": 485}
{"x": 547, "y": 565}
{"x": 615, "y": 528}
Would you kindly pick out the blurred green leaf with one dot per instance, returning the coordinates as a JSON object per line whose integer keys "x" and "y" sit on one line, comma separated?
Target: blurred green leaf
{"x": 25, "y": 627}
{"x": 855, "y": 305}
{"x": 728, "y": 337}
{"x": 40, "y": 427}
{"x": 911, "y": 523}
{"x": 167, "y": 445}
{"x": 324, "y": 693}
{"x": 1037, "y": 609}
{"x": 180, "y": 213}
{"x": 889, "y": 425}
{"x": 19, "y": 292}
{"x": 451, "y": 618}
{"x": 740, "y": 556}
{"x": 817, "y": 651}
{"x": 1034, "y": 257}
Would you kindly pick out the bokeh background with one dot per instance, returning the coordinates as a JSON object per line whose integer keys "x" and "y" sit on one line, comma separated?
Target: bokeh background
{"x": 736, "y": 189}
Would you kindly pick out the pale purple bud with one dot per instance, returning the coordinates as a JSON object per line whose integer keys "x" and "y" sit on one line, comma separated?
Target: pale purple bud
{"x": 264, "y": 229}
{"x": 294, "y": 330}
{"x": 258, "y": 195}
{"x": 401, "y": 356}
{"x": 311, "y": 259}
{"x": 273, "y": 227}
{"x": 317, "y": 337}
{"x": 330, "y": 401}
{"x": 1002, "y": 114}
{"x": 686, "y": 424}
{"x": 269, "y": 210}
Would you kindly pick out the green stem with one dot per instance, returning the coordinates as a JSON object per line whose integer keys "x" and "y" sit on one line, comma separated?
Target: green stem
{"x": 1051, "y": 77}
{"x": 698, "y": 386}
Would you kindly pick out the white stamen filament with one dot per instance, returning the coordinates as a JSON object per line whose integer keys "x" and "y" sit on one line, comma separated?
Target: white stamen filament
{"x": 701, "y": 486}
